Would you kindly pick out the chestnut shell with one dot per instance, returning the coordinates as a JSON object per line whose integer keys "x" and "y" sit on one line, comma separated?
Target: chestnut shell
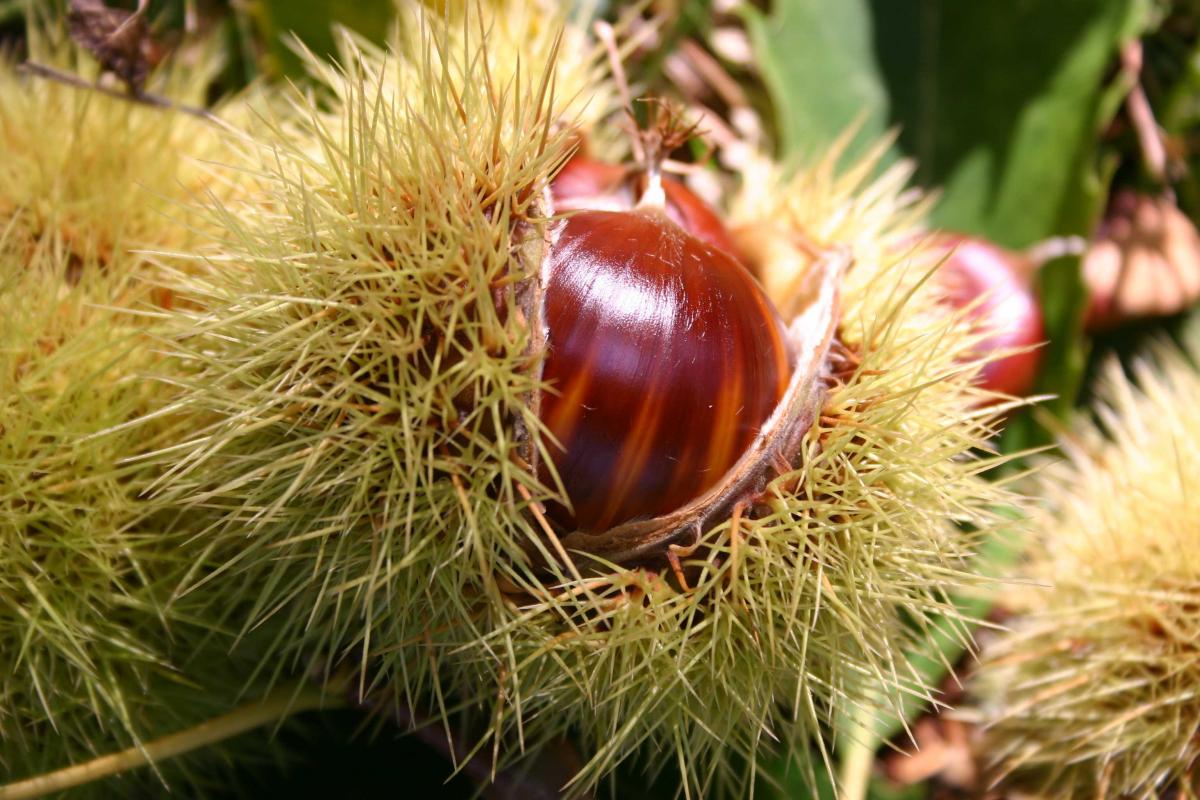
{"x": 665, "y": 357}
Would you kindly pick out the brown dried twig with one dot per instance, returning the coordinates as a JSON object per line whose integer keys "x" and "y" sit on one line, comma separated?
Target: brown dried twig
{"x": 141, "y": 98}
{"x": 1141, "y": 115}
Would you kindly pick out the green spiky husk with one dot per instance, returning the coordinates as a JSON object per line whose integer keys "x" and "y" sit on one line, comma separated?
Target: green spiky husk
{"x": 358, "y": 363}
{"x": 94, "y": 653}
{"x": 1096, "y": 690}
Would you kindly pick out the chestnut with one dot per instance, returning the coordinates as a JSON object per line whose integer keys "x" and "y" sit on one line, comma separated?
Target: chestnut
{"x": 666, "y": 359}
{"x": 998, "y": 281}
{"x": 674, "y": 389}
{"x": 586, "y": 183}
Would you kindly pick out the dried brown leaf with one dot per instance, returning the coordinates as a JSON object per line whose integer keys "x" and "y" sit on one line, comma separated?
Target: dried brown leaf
{"x": 1145, "y": 263}
{"x": 120, "y": 40}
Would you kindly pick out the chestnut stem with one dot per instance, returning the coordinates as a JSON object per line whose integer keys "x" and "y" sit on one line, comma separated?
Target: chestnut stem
{"x": 1141, "y": 115}
{"x": 131, "y": 20}
{"x": 276, "y": 706}
{"x": 140, "y": 98}
{"x": 654, "y": 196}
{"x": 1055, "y": 247}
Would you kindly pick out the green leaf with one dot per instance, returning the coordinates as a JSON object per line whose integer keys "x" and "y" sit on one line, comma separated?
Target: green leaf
{"x": 882, "y": 790}
{"x": 1000, "y": 102}
{"x": 1060, "y": 286}
{"x": 312, "y": 21}
{"x": 11, "y": 8}
{"x": 819, "y": 65}
{"x": 995, "y": 99}
{"x": 783, "y": 779}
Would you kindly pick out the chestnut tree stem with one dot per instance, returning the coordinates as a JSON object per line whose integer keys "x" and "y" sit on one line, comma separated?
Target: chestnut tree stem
{"x": 274, "y": 707}
{"x": 1141, "y": 115}
{"x": 141, "y": 98}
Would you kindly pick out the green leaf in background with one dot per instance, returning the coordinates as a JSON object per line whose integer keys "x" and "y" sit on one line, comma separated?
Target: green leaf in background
{"x": 10, "y": 9}
{"x": 995, "y": 99}
{"x": 312, "y": 22}
{"x": 999, "y": 102}
{"x": 820, "y": 67}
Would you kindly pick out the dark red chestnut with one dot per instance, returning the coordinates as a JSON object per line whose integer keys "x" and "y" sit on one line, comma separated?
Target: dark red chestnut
{"x": 999, "y": 279}
{"x": 665, "y": 360}
{"x": 585, "y": 183}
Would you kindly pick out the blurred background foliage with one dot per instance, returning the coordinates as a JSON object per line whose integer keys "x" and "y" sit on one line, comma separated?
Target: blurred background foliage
{"x": 1015, "y": 111}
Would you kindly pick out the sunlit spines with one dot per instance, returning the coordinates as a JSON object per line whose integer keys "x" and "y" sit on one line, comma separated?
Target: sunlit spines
{"x": 361, "y": 353}
{"x": 93, "y": 189}
{"x": 1094, "y": 691}
{"x": 360, "y": 359}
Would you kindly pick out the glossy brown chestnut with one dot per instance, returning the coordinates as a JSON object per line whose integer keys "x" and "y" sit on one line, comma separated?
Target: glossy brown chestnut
{"x": 585, "y": 183}
{"x": 665, "y": 358}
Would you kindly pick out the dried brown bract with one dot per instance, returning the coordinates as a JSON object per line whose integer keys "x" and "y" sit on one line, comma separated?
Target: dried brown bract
{"x": 1145, "y": 263}
{"x": 119, "y": 39}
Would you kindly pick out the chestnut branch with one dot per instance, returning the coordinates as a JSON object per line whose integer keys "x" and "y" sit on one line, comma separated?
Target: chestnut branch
{"x": 279, "y": 705}
{"x": 140, "y": 98}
